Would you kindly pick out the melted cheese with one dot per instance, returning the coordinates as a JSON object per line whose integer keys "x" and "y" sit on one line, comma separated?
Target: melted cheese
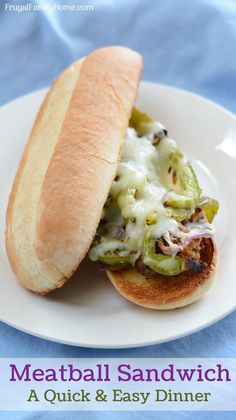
{"x": 105, "y": 246}
{"x": 146, "y": 178}
{"x": 139, "y": 194}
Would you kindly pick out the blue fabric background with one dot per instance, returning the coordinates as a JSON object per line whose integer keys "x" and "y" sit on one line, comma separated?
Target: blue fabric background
{"x": 186, "y": 43}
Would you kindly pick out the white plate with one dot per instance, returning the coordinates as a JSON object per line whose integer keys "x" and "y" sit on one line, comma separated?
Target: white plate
{"x": 88, "y": 311}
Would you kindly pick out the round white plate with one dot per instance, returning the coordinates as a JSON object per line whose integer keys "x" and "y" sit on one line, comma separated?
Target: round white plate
{"x": 88, "y": 311}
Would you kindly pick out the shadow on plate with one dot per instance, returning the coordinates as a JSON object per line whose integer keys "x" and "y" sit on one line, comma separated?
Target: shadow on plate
{"x": 88, "y": 284}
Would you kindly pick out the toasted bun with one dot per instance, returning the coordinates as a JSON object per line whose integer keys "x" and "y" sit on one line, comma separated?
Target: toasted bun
{"x": 162, "y": 292}
{"x": 68, "y": 166}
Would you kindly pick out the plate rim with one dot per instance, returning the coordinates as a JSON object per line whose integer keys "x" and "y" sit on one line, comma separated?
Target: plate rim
{"x": 116, "y": 346}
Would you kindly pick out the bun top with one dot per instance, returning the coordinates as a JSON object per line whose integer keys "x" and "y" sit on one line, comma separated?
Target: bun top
{"x": 84, "y": 162}
{"x": 68, "y": 166}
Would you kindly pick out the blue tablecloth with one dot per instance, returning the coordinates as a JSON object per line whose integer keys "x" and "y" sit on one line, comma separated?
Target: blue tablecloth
{"x": 190, "y": 44}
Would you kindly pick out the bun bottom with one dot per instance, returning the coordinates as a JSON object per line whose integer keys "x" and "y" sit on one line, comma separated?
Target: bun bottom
{"x": 160, "y": 292}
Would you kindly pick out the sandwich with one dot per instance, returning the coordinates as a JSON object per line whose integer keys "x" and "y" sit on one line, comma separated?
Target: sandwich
{"x": 100, "y": 178}
{"x": 155, "y": 235}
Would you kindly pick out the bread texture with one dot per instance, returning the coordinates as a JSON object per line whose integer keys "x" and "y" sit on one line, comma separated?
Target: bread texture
{"x": 162, "y": 292}
{"x": 68, "y": 166}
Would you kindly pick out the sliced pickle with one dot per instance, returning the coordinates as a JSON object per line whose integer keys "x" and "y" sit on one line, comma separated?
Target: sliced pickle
{"x": 168, "y": 265}
{"x": 141, "y": 122}
{"x": 114, "y": 260}
{"x": 112, "y": 255}
{"x": 190, "y": 183}
{"x": 178, "y": 214}
{"x": 185, "y": 190}
{"x": 209, "y": 206}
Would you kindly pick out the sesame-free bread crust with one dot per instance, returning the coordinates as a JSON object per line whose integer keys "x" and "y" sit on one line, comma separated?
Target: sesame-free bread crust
{"x": 68, "y": 166}
{"x": 163, "y": 292}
